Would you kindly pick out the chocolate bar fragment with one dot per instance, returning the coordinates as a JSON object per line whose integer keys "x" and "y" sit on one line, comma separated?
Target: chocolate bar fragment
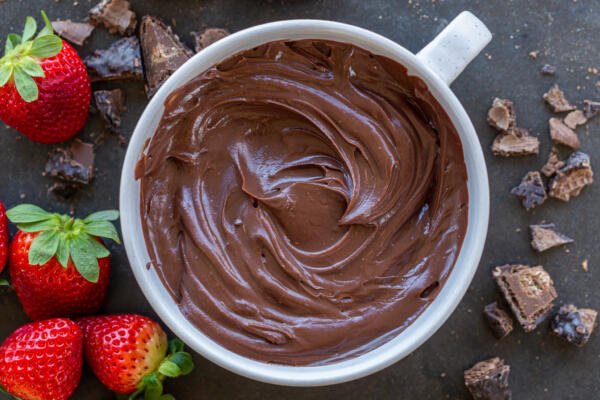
{"x": 553, "y": 164}
{"x": 516, "y": 142}
{"x": 545, "y": 236}
{"x": 74, "y": 32}
{"x": 498, "y": 320}
{"x": 115, "y": 15}
{"x": 573, "y": 324}
{"x": 110, "y": 105}
{"x": 73, "y": 165}
{"x": 529, "y": 291}
{"x": 555, "y": 98}
{"x": 207, "y": 37}
{"x": 122, "y": 60}
{"x": 591, "y": 108}
{"x": 488, "y": 380}
{"x": 162, "y": 50}
{"x": 570, "y": 180}
{"x": 531, "y": 191}
{"x": 502, "y": 115}
{"x": 574, "y": 119}
{"x": 562, "y": 134}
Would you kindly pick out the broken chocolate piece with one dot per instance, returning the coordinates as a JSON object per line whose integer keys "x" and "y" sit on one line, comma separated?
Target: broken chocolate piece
{"x": 591, "y": 108}
{"x": 545, "y": 236}
{"x": 562, "y": 134}
{"x": 64, "y": 190}
{"x": 574, "y": 119}
{"x": 555, "y": 98}
{"x": 208, "y": 37}
{"x": 488, "y": 380}
{"x": 570, "y": 180}
{"x": 162, "y": 50}
{"x": 553, "y": 164}
{"x": 531, "y": 190}
{"x": 573, "y": 324}
{"x": 74, "y": 164}
{"x": 529, "y": 291}
{"x": 498, "y": 320}
{"x": 502, "y": 114}
{"x": 548, "y": 69}
{"x": 515, "y": 142}
{"x": 74, "y": 32}
{"x": 110, "y": 105}
{"x": 115, "y": 15}
{"x": 122, "y": 60}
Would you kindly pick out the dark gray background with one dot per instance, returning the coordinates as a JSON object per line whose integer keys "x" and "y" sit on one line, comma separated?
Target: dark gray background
{"x": 566, "y": 33}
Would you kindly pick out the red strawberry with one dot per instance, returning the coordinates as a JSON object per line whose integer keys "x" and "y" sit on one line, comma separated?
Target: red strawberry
{"x": 127, "y": 353}
{"x": 42, "y": 360}
{"x": 58, "y": 265}
{"x": 45, "y": 91}
{"x": 3, "y": 237}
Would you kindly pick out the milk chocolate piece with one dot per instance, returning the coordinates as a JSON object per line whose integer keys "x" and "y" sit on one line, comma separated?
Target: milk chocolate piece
{"x": 562, "y": 134}
{"x": 516, "y": 142}
{"x": 591, "y": 108}
{"x": 531, "y": 191}
{"x": 548, "y": 69}
{"x": 74, "y": 32}
{"x": 570, "y": 180}
{"x": 110, "y": 105}
{"x": 545, "y": 236}
{"x": 498, "y": 320}
{"x": 115, "y": 15}
{"x": 553, "y": 164}
{"x": 555, "y": 98}
{"x": 74, "y": 164}
{"x": 529, "y": 291}
{"x": 488, "y": 380}
{"x": 574, "y": 119}
{"x": 162, "y": 50}
{"x": 207, "y": 37}
{"x": 573, "y": 324}
{"x": 122, "y": 60}
{"x": 502, "y": 114}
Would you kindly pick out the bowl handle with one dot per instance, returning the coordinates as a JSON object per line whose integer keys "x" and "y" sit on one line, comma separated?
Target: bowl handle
{"x": 449, "y": 53}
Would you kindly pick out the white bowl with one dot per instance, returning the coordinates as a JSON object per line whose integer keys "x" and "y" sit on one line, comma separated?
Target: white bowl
{"x": 438, "y": 64}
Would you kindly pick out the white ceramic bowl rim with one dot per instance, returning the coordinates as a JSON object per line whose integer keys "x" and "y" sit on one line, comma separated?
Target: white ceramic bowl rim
{"x": 409, "y": 339}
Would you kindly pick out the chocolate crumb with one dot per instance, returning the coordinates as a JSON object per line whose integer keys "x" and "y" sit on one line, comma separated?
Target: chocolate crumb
{"x": 514, "y": 143}
{"x": 498, "y": 320}
{"x": 529, "y": 291}
{"x": 74, "y": 164}
{"x": 74, "y": 32}
{"x": 570, "y": 180}
{"x": 545, "y": 236}
{"x": 488, "y": 380}
{"x": 562, "y": 134}
{"x": 553, "y": 164}
{"x": 534, "y": 54}
{"x": 573, "y": 324}
{"x": 63, "y": 190}
{"x": 122, "y": 60}
{"x": 591, "y": 108}
{"x": 502, "y": 114}
{"x": 207, "y": 37}
{"x": 110, "y": 105}
{"x": 531, "y": 191}
{"x": 115, "y": 15}
{"x": 548, "y": 69}
{"x": 555, "y": 98}
{"x": 574, "y": 119}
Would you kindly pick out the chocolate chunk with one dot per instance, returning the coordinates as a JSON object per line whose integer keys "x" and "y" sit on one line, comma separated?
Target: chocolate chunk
{"x": 207, "y": 37}
{"x": 529, "y": 291}
{"x": 498, "y": 320}
{"x": 110, "y": 105}
{"x": 122, "y": 60}
{"x": 515, "y": 142}
{"x": 544, "y": 237}
{"x": 548, "y": 69}
{"x": 570, "y": 180}
{"x": 488, "y": 380}
{"x": 74, "y": 164}
{"x": 573, "y": 324}
{"x": 574, "y": 119}
{"x": 115, "y": 15}
{"x": 64, "y": 190}
{"x": 74, "y": 32}
{"x": 502, "y": 114}
{"x": 553, "y": 164}
{"x": 162, "y": 50}
{"x": 591, "y": 108}
{"x": 557, "y": 101}
{"x": 531, "y": 190}
{"x": 562, "y": 134}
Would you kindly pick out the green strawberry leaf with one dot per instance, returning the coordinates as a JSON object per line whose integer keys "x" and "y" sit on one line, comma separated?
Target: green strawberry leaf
{"x": 167, "y": 397}
{"x": 99, "y": 250}
{"x": 53, "y": 222}
{"x": 43, "y": 247}
{"x": 31, "y": 67}
{"x": 6, "y": 71}
{"x": 4, "y": 282}
{"x": 8, "y": 47}
{"x": 47, "y": 29}
{"x": 177, "y": 364}
{"x": 82, "y": 254}
{"x": 26, "y": 213}
{"x": 46, "y": 46}
{"x": 102, "y": 229}
{"x": 25, "y": 84}
{"x": 170, "y": 369}
{"x": 175, "y": 346}
{"x": 14, "y": 39}
{"x": 106, "y": 215}
{"x": 154, "y": 387}
{"x": 63, "y": 251}
{"x": 30, "y": 28}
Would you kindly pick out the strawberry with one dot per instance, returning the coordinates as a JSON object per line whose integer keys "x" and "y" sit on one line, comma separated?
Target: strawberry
{"x": 42, "y": 360}
{"x": 127, "y": 353}
{"x": 45, "y": 91}
{"x": 3, "y": 237}
{"x": 58, "y": 265}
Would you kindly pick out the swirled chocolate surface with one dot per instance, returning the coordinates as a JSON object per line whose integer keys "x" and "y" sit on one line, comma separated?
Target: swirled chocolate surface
{"x": 303, "y": 202}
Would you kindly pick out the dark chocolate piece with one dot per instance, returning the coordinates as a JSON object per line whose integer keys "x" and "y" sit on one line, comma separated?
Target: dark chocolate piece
{"x": 488, "y": 380}
{"x": 573, "y": 324}
{"x": 531, "y": 191}
{"x": 553, "y": 164}
{"x": 74, "y": 164}
{"x": 529, "y": 291}
{"x": 64, "y": 190}
{"x": 498, "y": 320}
{"x": 515, "y": 142}
{"x": 74, "y": 32}
{"x": 115, "y": 15}
{"x": 570, "y": 180}
{"x": 207, "y": 37}
{"x": 122, "y": 60}
{"x": 162, "y": 50}
{"x": 562, "y": 134}
{"x": 591, "y": 108}
{"x": 110, "y": 106}
{"x": 548, "y": 69}
{"x": 574, "y": 119}
{"x": 544, "y": 237}
{"x": 555, "y": 98}
{"x": 502, "y": 115}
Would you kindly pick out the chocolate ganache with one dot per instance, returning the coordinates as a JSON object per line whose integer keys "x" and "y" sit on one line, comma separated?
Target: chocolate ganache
{"x": 303, "y": 202}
